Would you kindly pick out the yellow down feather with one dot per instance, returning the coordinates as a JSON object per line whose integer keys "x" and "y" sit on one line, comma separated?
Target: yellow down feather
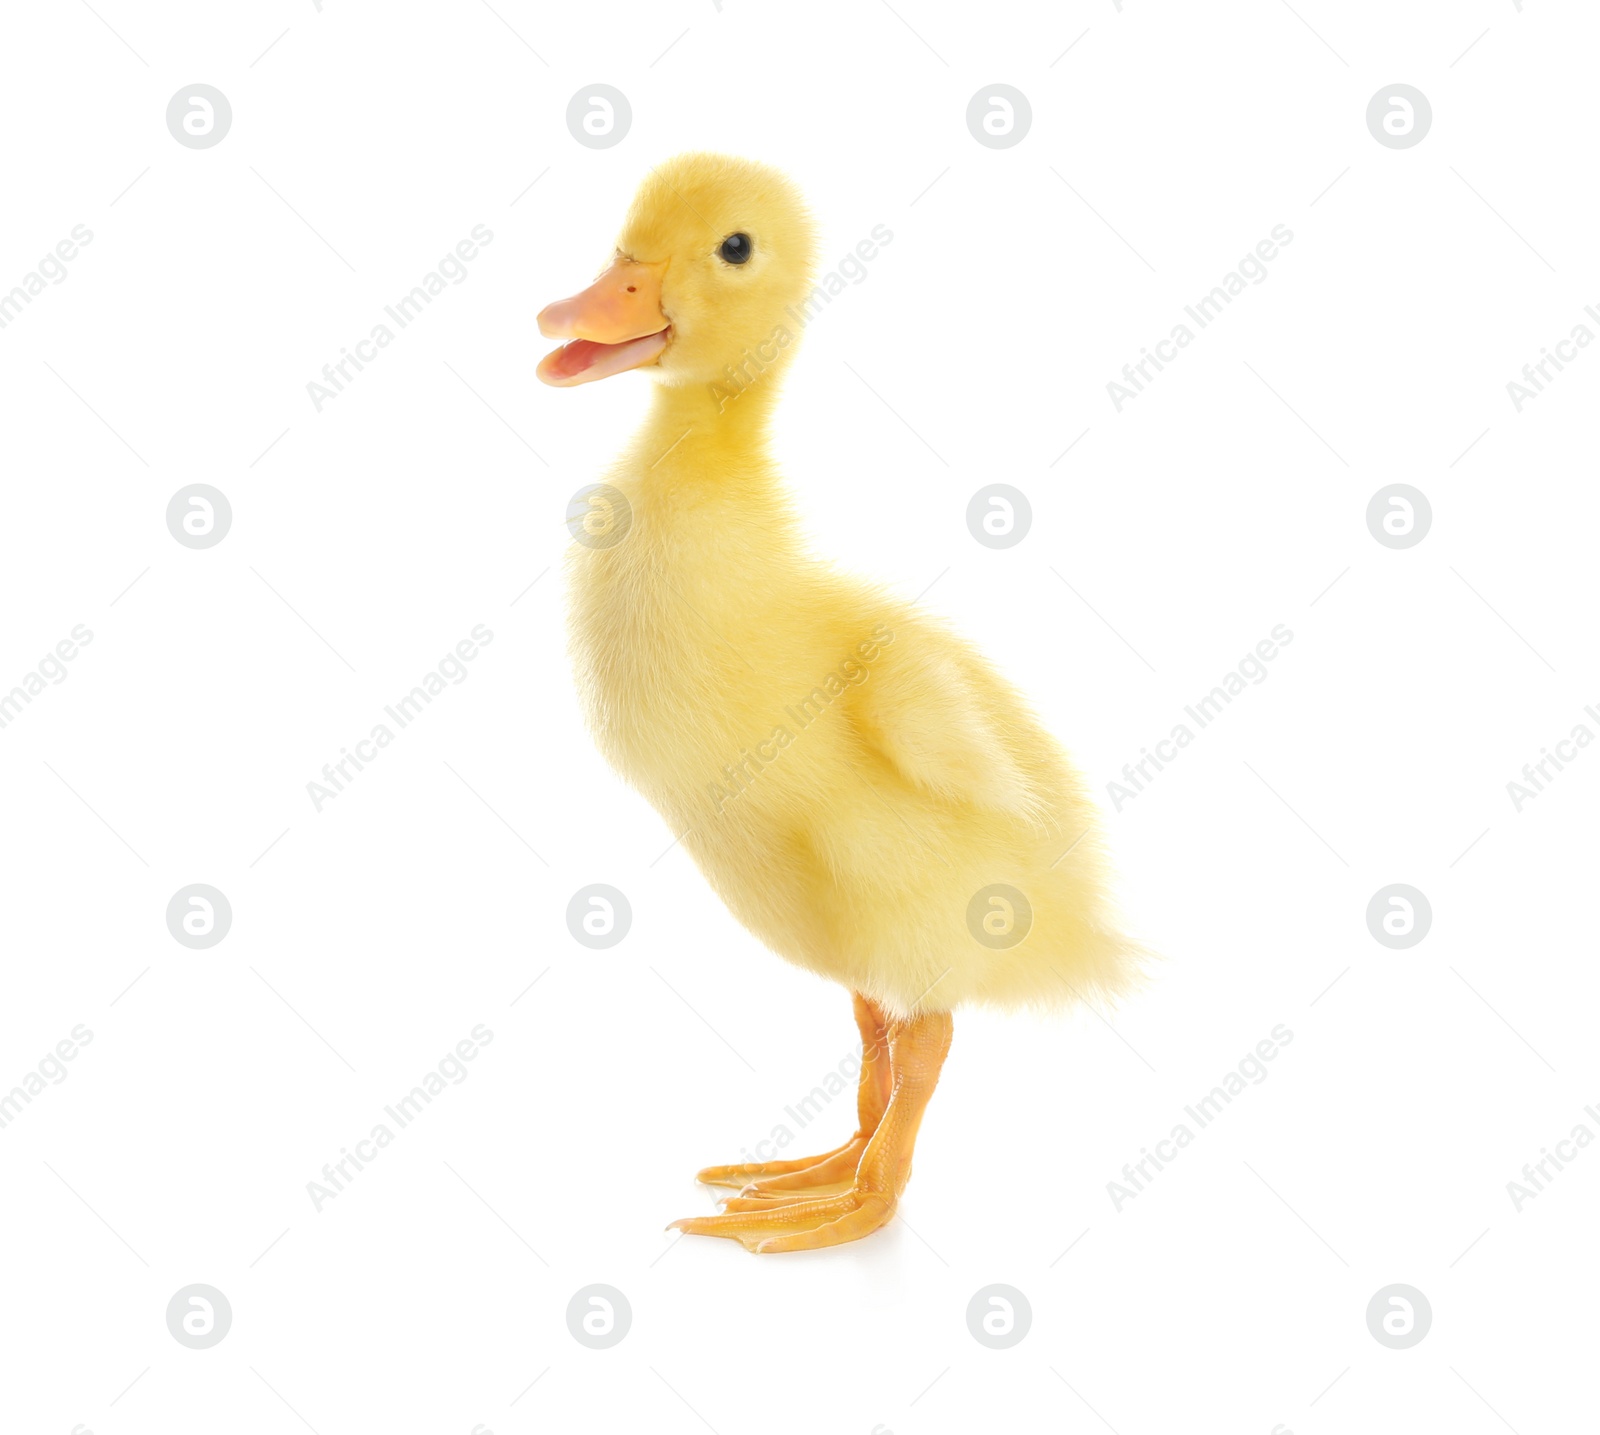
{"x": 848, "y": 774}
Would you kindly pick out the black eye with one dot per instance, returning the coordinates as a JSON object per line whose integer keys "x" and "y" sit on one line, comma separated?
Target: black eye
{"x": 737, "y": 248}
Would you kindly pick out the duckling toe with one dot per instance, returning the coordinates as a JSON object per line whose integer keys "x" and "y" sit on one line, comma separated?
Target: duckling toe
{"x": 796, "y": 1175}
{"x": 771, "y": 1228}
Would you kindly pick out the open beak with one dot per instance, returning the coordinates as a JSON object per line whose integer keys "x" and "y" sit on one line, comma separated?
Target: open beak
{"x": 615, "y": 324}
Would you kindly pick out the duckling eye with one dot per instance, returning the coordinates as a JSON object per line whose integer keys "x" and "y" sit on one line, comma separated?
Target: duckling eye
{"x": 737, "y": 248}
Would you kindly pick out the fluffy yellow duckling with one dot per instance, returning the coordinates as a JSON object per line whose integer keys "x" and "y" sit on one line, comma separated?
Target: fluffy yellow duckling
{"x": 864, "y": 792}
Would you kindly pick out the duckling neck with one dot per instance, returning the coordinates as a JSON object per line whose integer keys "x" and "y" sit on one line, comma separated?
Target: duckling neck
{"x": 736, "y": 421}
{"x": 700, "y": 477}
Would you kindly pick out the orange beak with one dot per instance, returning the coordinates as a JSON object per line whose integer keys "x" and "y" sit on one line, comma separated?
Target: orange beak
{"x": 615, "y": 324}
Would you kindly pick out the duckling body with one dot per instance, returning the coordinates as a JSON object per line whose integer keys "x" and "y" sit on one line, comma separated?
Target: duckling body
{"x": 847, "y": 774}
{"x": 863, "y": 791}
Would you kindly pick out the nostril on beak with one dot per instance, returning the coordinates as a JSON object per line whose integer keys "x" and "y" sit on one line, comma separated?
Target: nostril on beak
{"x": 633, "y": 288}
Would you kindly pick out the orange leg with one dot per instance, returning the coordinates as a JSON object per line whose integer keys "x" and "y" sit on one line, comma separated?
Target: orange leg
{"x": 917, "y": 1050}
{"x": 833, "y": 1170}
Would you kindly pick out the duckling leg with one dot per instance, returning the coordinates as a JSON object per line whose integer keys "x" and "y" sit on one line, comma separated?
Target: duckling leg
{"x": 917, "y": 1050}
{"x": 833, "y": 1170}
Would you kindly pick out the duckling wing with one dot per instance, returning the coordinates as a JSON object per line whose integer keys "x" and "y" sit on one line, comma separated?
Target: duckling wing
{"x": 934, "y": 713}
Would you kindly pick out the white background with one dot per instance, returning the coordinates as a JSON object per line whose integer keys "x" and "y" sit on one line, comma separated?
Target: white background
{"x": 369, "y": 538}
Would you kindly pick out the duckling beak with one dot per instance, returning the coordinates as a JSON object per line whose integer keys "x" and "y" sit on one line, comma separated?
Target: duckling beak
{"x": 615, "y": 324}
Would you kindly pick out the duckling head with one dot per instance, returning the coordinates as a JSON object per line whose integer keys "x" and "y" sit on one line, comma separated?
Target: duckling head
{"x": 713, "y": 256}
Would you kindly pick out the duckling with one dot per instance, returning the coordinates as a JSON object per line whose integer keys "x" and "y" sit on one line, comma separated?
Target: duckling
{"x": 863, "y": 791}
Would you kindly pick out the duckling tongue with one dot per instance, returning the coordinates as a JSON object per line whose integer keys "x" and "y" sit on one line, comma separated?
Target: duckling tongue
{"x": 584, "y": 360}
